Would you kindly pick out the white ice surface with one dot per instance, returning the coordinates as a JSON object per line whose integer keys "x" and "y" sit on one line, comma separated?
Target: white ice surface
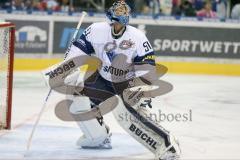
{"x": 213, "y": 133}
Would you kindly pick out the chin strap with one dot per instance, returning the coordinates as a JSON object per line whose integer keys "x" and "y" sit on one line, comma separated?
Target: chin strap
{"x": 119, "y": 34}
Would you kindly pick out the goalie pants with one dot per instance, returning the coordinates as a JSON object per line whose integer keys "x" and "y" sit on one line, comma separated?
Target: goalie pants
{"x": 99, "y": 83}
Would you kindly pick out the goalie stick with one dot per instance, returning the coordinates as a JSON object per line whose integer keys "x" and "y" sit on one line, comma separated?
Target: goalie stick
{"x": 50, "y": 91}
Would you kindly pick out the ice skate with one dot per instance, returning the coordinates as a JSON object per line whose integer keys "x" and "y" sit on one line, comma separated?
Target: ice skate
{"x": 97, "y": 143}
{"x": 172, "y": 152}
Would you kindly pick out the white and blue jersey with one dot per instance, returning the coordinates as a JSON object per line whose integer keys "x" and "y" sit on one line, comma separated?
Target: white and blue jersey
{"x": 97, "y": 40}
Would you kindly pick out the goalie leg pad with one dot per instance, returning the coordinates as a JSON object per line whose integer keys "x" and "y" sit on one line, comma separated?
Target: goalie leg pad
{"x": 95, "y": 132}
{"x": 148, "y": 133}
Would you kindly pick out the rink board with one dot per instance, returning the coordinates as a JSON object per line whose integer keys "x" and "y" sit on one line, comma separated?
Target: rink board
{"x": 184, "y": 67}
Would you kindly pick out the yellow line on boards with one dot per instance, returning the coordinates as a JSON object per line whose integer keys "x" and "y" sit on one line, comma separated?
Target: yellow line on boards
{"x": 203, "y": 68}
{"x": 34, "y": 64}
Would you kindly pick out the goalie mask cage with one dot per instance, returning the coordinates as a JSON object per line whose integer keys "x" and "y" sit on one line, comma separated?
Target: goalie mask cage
{"x": 7, "y": 35}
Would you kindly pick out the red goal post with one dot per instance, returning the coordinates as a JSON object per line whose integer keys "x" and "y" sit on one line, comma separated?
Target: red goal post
{"x": 7, "y": 40}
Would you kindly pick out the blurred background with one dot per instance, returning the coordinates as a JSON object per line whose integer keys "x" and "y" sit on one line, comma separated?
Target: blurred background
{"x": 191, "y": 8}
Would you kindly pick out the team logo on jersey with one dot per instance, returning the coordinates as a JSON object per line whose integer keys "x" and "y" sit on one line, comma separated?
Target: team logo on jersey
{"x": 110, "y": 46}
{"x": 111, "y": 55}
{"x": 109, "y": 49}
{"x": 126, "y": 44}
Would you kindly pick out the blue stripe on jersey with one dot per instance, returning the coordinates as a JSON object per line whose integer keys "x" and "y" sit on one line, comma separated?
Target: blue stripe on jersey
{"x": 148, "y": 58}
{"x": 83, "y": 44}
